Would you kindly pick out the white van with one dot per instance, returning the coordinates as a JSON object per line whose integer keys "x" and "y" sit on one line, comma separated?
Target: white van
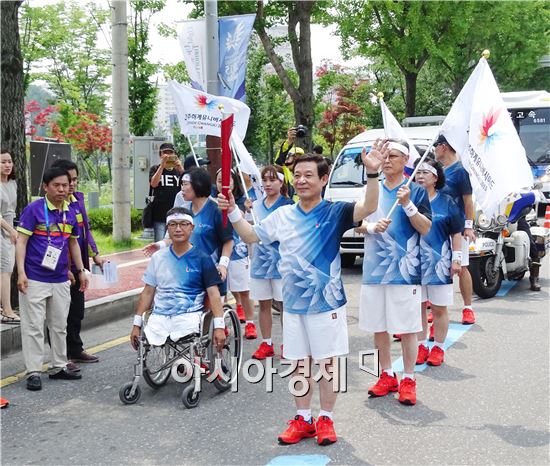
{"x": 348, "y": 177}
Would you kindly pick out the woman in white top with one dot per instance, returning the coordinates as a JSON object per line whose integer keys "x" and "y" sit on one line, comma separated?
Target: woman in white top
{"x": 8, "y": 234}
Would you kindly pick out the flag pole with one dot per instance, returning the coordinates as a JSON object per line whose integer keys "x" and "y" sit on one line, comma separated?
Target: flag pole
{"x": 237, "y": 165}
{"x": 380, "y": 96}
{"x": 192, "y": 150}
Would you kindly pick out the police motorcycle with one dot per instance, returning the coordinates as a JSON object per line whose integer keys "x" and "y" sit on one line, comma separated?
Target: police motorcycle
{"x": 501, "y": 250}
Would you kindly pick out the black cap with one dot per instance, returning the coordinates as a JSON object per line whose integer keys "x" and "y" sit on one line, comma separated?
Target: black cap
{"x": 167, "y": 145}
{"x": 441, "y": 140}
{"x": 189, "y": 162}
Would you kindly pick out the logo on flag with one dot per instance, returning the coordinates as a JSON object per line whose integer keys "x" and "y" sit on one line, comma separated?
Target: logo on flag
{"x": 205, "y": 103}
{"x": 488, "y": 131}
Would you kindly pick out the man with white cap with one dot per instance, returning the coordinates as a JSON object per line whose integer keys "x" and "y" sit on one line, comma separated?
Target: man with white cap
{"x": 177, "y": 281}
{"x": 390, "y": 300}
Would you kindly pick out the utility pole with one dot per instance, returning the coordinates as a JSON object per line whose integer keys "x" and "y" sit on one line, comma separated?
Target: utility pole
{"x": 213, "y": 149}
{"x": 120, "y": 125}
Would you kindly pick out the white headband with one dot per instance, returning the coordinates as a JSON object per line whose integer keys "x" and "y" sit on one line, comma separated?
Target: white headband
{"x": 428, "y": 167}
{"x": 178, "y": 216}
{"x": 186, "y": 177}
{"x": 399, "y": 147}
{"x": 280, "y": 176}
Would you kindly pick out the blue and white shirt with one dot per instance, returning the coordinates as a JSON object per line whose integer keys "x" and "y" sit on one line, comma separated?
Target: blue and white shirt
{"x": 436, "y": 247}
{"x": 180, "y": 282}
{"x": 309, "y": 244}
{"x": 457, "y": 183}
{"x": 393, "y": 257}
{"x": 240, "y": 248}
{"x": 265, "y": 257}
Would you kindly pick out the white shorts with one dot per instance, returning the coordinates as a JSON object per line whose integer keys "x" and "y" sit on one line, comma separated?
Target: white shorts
{"x": 265, "y": 289}
{"x": 320, "y": 336}
{"x": 390, "y": 308}
{"x": 238, "y": 275}
{"x": 160, "y": 327}
{"x": 440, "y": 295}
{"x": 465, "y": 252}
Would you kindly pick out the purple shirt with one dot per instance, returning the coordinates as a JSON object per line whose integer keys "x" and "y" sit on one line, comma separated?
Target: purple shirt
{"x": 33, "y": 223}
{"x": 86, "y": 241}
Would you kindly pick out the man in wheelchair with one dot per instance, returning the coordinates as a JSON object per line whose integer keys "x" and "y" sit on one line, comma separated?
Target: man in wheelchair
{"x": 177, "y": 281}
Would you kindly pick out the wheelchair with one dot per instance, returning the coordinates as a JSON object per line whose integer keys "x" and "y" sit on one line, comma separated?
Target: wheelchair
{"x": 190, "y": 357}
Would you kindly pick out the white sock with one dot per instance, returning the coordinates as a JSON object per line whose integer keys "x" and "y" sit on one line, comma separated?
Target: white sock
{"x": 250, "y": 322}
{"x": 468, "y": 307}
{"x": 268, "y": 341}
{"x": 305, "y": 413}
{"x": 388, "y": 371}
{"x": 407, "y": 376}
{"x": 440, "y": 345}
{"x": 325, "y": 413}
{"x": 423, "y": 342}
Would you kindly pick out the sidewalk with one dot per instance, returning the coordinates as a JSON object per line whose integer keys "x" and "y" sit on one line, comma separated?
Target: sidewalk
{"x": 102, "y": 305}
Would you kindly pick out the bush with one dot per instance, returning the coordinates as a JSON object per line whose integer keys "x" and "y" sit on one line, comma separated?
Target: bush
{"x": 102, "y": 220}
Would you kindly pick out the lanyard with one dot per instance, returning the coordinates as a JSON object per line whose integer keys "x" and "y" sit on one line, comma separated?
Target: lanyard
{"x": 47, "y": 219}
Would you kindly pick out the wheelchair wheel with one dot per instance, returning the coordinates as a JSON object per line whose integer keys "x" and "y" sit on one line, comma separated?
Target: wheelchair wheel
{"x": 231, "y": 355}
{"x": 188, "y": 398}
{"x": 124, "y": 394}
{"x": 155, "y": 358}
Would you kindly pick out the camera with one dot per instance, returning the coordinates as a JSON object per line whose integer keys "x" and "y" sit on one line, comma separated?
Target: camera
{"x": 301, "y": 131}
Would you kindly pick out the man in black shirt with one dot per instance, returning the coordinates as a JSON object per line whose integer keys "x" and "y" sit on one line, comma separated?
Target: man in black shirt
{"x": 165, "y": 181}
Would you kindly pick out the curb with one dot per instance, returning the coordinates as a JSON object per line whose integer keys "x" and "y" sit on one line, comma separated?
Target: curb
{"x": 97, "y": 312}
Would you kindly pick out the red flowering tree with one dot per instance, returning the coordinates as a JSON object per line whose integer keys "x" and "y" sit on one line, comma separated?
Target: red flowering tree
{"x": 37, "y": 117}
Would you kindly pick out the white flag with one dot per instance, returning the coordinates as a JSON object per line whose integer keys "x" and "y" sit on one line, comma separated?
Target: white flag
{"x": 394, "y": 130}
{"x": 192, "y": 37}
{"x": 246, "y": 164}
{"x": 199, "y": 112}
{"x": 481, "y": 131}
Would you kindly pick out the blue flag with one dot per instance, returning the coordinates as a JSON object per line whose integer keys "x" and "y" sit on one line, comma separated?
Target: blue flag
{"x": 234, "y": 34}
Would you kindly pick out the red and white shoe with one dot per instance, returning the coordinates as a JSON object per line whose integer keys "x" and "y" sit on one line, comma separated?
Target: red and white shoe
{"x": 297, "y": 430}
{"x": 386, "y": 384}
{"x": 436, "y": 357}
{"x": 325, "y": 431}
{"x": 422, "y": 356}
{"x": 240, "y": 314}
{"x": 407, "y": 391}
{"x": 264, "y": 351}
{"x": 468, "y": 317}
{"x": 250, "y": 331}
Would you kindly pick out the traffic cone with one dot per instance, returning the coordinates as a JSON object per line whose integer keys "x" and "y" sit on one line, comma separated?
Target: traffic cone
{"x": 547, "y": 218}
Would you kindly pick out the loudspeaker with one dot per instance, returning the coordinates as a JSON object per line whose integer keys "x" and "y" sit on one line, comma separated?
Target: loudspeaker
{"x": 43, "y": 154}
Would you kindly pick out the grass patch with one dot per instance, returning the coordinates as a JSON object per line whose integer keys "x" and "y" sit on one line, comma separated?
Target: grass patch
{"x": 106, "y": 245}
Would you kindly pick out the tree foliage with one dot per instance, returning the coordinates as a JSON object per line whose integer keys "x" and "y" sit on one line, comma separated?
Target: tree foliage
{"x": 142, "y": 91}
{"x": 59, "y": 44}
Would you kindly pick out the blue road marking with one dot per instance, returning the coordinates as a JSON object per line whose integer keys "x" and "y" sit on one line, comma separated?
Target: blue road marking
{"x": 506, "y": 286}
{"x": 455, "y": 332}
{"x": 299, "y": 460}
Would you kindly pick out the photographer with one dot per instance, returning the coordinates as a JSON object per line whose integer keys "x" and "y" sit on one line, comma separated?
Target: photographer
{"x": 287, "y": 155}
{"x": 164, "y": 179}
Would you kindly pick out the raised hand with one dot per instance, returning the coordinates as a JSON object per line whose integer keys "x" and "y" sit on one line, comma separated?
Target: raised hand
{"x": 374, "y": 159}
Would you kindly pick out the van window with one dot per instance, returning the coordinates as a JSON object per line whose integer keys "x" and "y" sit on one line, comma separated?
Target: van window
{"x": 533, "y": 126}
{"x": 348, "y": 169}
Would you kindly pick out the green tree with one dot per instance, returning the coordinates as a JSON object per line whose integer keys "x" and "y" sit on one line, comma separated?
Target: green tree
{"x": 405, "y": 34}
{"x": 60, "y": 47}
{"x": 142, "y": 91}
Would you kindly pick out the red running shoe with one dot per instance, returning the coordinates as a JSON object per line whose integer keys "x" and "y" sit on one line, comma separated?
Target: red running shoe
{"x": 385, "y": 385}
{"x": 264, "y": 351}
{"x": 325, "y": 431}
{"x": 431, "y": 337}
{"x": 422, "y": 356}
{"x": 407, "y": 391}
{"x": 250, "y": 331}
{"x": 240, "y": 314}
{"x": 436, "y": 357}
{"x": 5, "y": 403}
{"x": 430, "y": 317}
{"x": 397, "y": 336}
{"x": 468, "y": 317}
{"x": 297, "y": 430}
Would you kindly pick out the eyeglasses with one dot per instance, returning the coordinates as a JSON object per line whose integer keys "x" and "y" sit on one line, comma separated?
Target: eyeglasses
{"x": 175, "y": 225}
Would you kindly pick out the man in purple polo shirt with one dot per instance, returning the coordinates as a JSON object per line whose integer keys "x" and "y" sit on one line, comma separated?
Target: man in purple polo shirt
{"x": 48, "y": 232}
{"x": 88, "y": 248}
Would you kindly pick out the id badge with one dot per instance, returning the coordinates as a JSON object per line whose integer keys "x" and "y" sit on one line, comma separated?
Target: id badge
{"x": 51, "y": 257}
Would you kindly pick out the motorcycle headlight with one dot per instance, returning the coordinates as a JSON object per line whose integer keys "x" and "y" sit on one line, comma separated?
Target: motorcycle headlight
{"x": 502, "y": 219}
{"x": 483, "y": 221}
